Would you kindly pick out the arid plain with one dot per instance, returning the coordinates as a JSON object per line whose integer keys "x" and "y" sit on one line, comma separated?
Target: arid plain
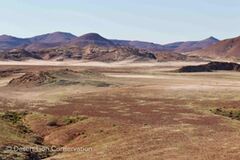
{"x": 119, "y": 111}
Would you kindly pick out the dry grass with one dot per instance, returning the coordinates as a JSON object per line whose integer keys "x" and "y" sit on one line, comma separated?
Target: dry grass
{"x": 150, "y": 113}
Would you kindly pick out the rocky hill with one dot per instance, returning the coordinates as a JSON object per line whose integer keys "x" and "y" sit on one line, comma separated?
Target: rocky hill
{"x": 92, "y": 39}
{"x": 56, "y": 37}
{"x": 9, "y": 42}
{"x": 148, "y": 46}
{"x": 96, "y": 53}
{"x": 191, "y": 45}
{"x": 170, "y": 56}
{"x": 225, "y": 49}
{"x": 18, "y": 55}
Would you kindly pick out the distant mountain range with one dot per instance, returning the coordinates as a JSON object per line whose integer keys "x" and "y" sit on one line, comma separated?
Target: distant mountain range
{"x": 58, "y": 39}
{"x": 175, "y": 47}
{"x": 61, "y": 46}
{"x": 92, "y": 46}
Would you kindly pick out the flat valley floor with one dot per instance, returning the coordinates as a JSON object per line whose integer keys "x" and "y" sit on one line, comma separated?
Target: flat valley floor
{"x": 127, "y": 112}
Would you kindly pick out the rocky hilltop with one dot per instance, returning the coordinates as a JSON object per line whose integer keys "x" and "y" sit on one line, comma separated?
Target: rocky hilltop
{"x": 212, "y": 66}
{"x": 229, "y": 48}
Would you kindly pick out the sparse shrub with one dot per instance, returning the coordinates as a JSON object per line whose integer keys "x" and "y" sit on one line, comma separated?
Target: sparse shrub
{"x": 37, "y": 140}
{"x": 13, "y": 117}
{"x": 81, "y": 118}
{"x": 234, "y": 114}
{"x": 71, "y": 120}
{"x": 52, "y": 123}
{"x": 218, "y": 110}
{"x": 238, "y": 115}
{"x": 23, "y": 129}
{"x": 230, "y": 114}
{"x": 76, "y": 113}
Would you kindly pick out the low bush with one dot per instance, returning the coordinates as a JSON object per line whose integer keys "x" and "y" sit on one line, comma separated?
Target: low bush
{"x": 13, "y": 117}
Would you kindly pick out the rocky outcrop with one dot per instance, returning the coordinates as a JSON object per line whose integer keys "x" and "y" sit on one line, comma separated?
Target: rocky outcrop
{"x": 32, "y": 79}
{"x": 18, "y": 55}
{"x": 212, "y": 66}
{"x": 9, "y": 72}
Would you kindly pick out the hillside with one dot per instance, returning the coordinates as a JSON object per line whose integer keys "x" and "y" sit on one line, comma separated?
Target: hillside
{"x": 170, "y": 56}
{"x": 56, "y": 37}
{"x": 95, "y": 53}
{"x": 40, "y": 46}
{"x": 18, "y": 55}
{"x": 91, "y": 39}
{"x": 227, "y": 48}
{"x": 172, "y": 47}
{"x": 153, "y": 47}
{"x": 191, "y": 45}
{"x": 9, "y": 42}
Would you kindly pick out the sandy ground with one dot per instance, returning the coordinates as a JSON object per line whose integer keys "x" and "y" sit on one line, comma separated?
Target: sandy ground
{"x": 96, "y": 64}
{"x": 151, "y": 113}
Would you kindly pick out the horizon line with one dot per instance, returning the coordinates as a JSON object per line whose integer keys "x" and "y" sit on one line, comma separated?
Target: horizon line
{"x": 28, "y": 37}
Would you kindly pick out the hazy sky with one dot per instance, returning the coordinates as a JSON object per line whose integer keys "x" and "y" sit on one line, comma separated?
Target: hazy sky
{"x": 159, "y": 21}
